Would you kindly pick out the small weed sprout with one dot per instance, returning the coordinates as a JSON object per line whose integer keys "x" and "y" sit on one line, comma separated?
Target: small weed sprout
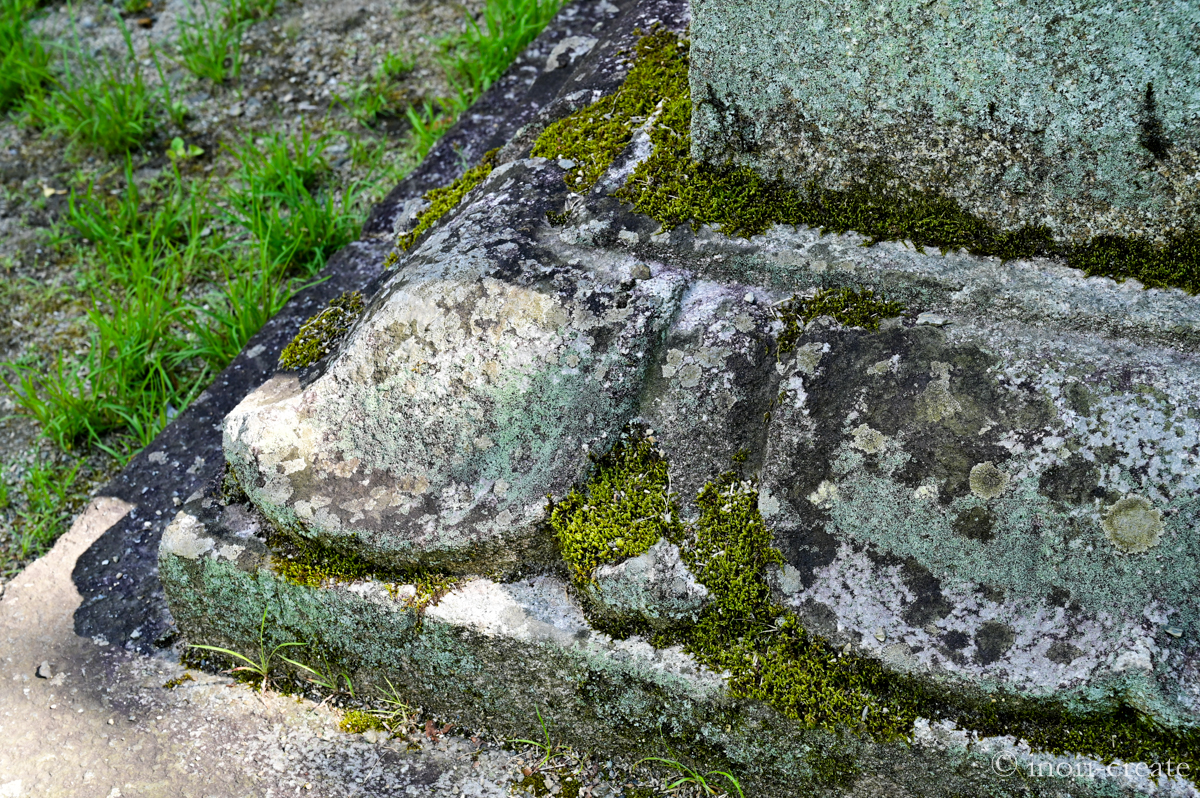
{"x": 549, "y": 750}
{"x": 702, "y": 781}
{"x": 399, "y": 714}
{"x": 325, "y": 677}
{"x": 241, "y": 11}
{"x": 258, "y": 669}
{"x": 379, "y": 96}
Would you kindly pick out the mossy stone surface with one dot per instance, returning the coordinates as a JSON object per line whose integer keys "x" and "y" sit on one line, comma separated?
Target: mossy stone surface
{"x": 491, "y": 657}
{"x": 896, "y": 473}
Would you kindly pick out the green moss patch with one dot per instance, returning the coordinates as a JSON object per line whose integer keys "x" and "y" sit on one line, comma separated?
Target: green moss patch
{"x": 594, "y": 136}
{"x": 845, "y": 305}
{"x": 311, "y": 564}
{"x": 674, "y": 189}
{"x": 355, "y": 721}
{"x": 441, "y": 200}
{"x": 628, "y": 492}
{"x": 171, "y": 684}
{"x": 770, "y": 656}
{"x": 318, "y": 335}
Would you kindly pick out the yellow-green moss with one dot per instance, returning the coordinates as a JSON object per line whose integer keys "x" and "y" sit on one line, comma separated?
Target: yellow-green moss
{"x": 674, "y": 189}
{"x": 770, "y": 656}
{"x": 355, "y": 721}
{"x": 594, "y": 136}
{"x": 441, "y": 200}
{"x": 311, "y": 564}
{"x": 845, "y": 305}
{"x": 318, "y": 335}
{"x": 622, "y": 511}
{"x": 535, "y": 785}
{"x": 171, "y": 684}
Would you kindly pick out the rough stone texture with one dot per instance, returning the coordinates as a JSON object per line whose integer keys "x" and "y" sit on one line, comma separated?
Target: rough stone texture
{"x": 654, "y": 587}
{"x": 493, "y": 656}
{"x": 131, "y": 611}
{"x": 1025, "y": 112}
{"x": 996, "y": 492}
{"x": 103, "y": 724}
{"x": 476, "y": 384}
{"x": 940, "y": 490}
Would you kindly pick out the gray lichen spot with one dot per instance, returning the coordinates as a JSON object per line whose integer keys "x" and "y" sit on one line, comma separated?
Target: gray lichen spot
{"x": 987, "y": 481}
{"x": 808, "y": 357}
{"x": 1133, "y": 525}
{"x": 937, "y": 402}
{"x": 868, "y": 440}
{"x": 180, "y": 538}
{"x": 689, "y": 375}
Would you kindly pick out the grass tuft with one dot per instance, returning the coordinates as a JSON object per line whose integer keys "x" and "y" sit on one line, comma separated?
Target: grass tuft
{"x": 24, "y": 62}
{"x": 105, "y": 105}
{"x": 475, "y": 58}
{"x": 209, "y": 49}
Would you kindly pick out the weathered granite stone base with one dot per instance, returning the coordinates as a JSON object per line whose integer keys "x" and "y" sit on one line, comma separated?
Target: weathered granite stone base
{"x": 993, "y": 495}
{"x": 492, "y": 656}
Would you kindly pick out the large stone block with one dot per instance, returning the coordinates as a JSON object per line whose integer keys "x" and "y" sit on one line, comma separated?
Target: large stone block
{"x": 507, "y": 657}
{"x": 1078, "y": 114}
{"x": 980, "y": 515}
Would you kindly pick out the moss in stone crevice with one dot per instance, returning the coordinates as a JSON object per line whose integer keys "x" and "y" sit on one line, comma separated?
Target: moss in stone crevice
{"x": 674, "y": 189}
{"x": 442, "y": 200}
{"x": 535, "y": 784}
{"x": 845, "y": 305}
{"x": 629, "y": 491}
{"x": 318, "y": 335}
{"x": 770, "y": 656}
{"x": 312, "y": 564}
{"x": 355, "y": 721}
{"x": 594, "y": 136}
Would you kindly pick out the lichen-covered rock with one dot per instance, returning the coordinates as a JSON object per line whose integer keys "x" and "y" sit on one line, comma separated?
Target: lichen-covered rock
{"x": 975, "y": 508}
{"x": 655, "y": 587}
{"x": 477, "y": 383}
{"x": 973, "y": 504}
{"x": 507, "y": 658}
{"x": 1074, "y": 114}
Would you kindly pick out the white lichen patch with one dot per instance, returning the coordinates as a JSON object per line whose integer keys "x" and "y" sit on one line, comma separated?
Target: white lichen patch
{"x": 1133, "y": 525}
{"x": 825, "y": 495}
{"x": 181, "y": 538}
{"x": 987, "y": 481}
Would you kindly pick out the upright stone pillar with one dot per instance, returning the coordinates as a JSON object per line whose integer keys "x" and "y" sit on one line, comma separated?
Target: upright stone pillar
{"x": 1080, "y": 115}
